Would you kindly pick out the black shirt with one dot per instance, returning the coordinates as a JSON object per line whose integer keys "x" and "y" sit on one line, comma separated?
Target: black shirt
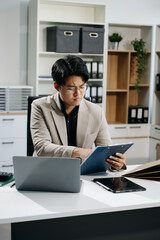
{"x": 71, "y": 123}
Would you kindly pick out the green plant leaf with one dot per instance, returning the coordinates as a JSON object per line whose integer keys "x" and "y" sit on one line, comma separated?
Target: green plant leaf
{"x": 140, "y": 48}
{"x": 115, "y": 37}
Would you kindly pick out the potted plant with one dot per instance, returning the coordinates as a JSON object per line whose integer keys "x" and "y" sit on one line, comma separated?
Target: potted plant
{"x": 115, "y": 38}
{"x": 140, "y": 48}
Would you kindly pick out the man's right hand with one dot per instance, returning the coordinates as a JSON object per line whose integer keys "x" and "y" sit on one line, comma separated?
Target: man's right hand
{"x": 82, "y": 153}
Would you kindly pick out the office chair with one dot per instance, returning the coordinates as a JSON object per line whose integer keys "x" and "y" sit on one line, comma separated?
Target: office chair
{"x": 30, "y": 148}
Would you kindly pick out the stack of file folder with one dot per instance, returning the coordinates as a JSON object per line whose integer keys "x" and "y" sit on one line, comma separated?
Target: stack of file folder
{"x": 14, "y": 98}
{"x": 94, "y": 93}
{"x": 95, "y": 69}
{"x": 138, "y": 114}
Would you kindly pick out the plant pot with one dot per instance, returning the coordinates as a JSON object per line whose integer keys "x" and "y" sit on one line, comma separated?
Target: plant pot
{"x": 114, "y": 45}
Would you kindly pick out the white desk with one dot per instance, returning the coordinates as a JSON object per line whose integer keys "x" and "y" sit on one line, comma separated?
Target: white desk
{"x": 94, "y": 212}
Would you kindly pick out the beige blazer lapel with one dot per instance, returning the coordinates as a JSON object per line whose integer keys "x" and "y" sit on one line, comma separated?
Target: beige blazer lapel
{"x": 59, "y": 120}
{"x": 82, "y": 124}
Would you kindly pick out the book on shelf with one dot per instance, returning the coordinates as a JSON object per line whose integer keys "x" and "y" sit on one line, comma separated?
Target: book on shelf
{"x": 138, "y": 114}
{"x": 94, "y": 93}
{"x": 150, "y": 171}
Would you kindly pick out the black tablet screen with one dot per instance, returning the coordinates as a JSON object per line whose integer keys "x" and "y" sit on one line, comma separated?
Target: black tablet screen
{"x": 118, "y": 184}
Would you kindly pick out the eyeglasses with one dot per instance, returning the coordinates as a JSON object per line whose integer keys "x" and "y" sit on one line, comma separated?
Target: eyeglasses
{"x": 73, "y": 89}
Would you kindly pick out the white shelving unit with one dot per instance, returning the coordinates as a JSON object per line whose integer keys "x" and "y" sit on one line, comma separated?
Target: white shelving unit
{"x": 122, "y": 68}
{"x": 155, "y": 125}
{"x": 43, "y": 14}
{"x": 47, "y": 13}
{"x": 156, "y": 97}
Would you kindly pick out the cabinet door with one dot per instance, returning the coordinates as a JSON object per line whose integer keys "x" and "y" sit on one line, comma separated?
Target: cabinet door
{"x": 138, "y": 130}
{"x": 13, "y": 126}
{"x": 119, "y": 130}
{"x": 155, "y": 131}
{"x": 11, "y": 147}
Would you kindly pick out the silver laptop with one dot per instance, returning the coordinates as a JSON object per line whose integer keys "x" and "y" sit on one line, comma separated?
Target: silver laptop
{"x": 54, "y": 174}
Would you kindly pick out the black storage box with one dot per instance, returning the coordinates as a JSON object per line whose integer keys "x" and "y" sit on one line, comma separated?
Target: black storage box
{"x": 92, "y": 40}
{"x": 63, "y": 39}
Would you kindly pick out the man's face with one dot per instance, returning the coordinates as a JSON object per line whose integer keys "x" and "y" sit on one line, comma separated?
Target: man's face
{"x": 73, "y": 91}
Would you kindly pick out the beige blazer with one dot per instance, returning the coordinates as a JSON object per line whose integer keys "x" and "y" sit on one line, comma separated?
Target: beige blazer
{"x": 48, "y": 127}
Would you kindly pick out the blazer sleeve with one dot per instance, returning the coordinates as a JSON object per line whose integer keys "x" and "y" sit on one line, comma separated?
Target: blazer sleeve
{"x": 42, "y": 140}
{"x": 103, "y": 137}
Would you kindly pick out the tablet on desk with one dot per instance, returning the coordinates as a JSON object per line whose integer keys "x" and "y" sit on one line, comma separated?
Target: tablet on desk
{"x": 118, "y": 184}
{"x": 96, "y": 162}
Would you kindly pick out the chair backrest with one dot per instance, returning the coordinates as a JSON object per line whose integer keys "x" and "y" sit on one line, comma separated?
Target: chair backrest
{"x": 30, "y": 148}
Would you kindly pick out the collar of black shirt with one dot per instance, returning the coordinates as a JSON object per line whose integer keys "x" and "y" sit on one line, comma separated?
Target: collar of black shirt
{"x": 63, "y": 110}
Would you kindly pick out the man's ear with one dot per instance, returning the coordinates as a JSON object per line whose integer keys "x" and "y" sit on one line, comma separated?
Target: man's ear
{"x": 56, "y": 86}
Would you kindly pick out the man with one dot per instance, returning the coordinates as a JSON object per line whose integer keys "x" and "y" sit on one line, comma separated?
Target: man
{"x": 65, "y": 124}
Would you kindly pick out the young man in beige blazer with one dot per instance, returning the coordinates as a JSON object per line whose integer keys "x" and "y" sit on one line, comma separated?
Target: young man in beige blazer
{"x": 65, "y": 124}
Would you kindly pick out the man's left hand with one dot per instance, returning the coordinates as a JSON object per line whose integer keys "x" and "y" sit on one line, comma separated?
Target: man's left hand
{"x": 117, "y": 162}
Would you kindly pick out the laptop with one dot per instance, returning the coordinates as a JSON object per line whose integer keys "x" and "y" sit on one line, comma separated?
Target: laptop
{"x": 54, "y": 174}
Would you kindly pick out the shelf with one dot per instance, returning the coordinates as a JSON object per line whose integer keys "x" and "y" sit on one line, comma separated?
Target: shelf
{"x": 116, "y": 122}
{"x": 148, "y": 52}
{"x": 86, "y": 24}
{"x": 118, "y": 51}
{"x": 117, "y": 90}
{"x": 61, "y": 3}
{"x": 140, "y": 85}
{"x": 51, "y": 54}
{"x": 49, "y": 79}
{"x": 45, "y": 79}
{"x": 13, "y": 113}
{"x": 124, "y": 51}
{"x": 100, "y": 80}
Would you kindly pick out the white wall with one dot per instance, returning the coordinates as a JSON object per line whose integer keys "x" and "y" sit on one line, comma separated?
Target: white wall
{"x": 13, "y": 42}
{"x": 13, "y": 30}
{"x": 134, "y": 12}
{"x": 9, "y": 42}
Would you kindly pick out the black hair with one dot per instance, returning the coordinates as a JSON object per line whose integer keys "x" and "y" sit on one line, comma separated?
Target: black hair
{"x": 69, "y": 66}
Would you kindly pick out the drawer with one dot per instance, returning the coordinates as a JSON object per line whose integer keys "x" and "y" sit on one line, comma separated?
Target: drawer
{"x": 138, "y": 130}
{"x": 12, "y": 147}
{"x": 13, "y": 126}
{"x": 155, "y": 131}
{"x": 119, "y": 130}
